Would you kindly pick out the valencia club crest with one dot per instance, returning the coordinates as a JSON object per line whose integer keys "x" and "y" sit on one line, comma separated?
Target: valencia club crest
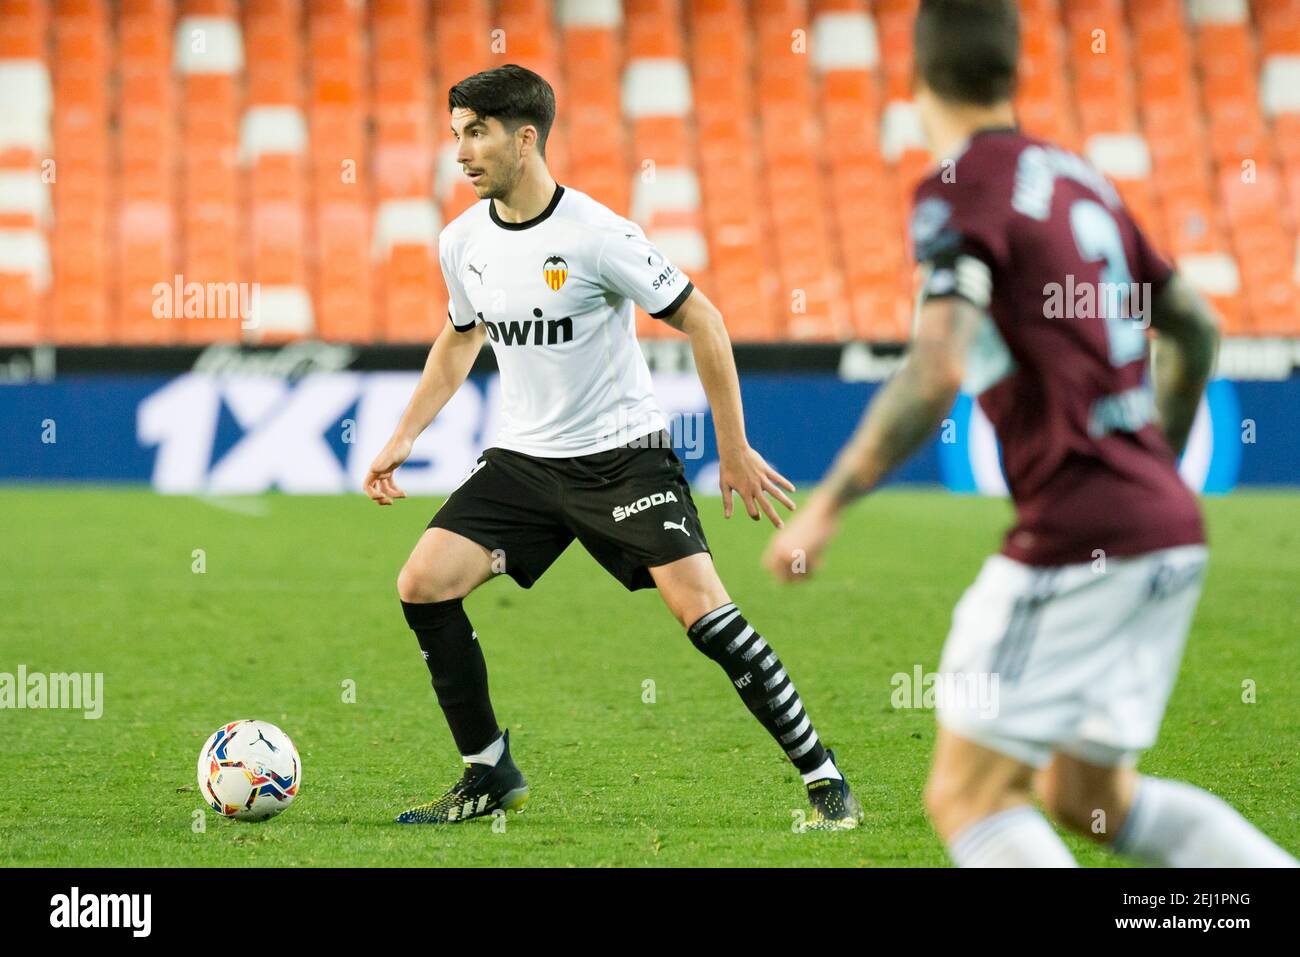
{"x": 556, "y": 270}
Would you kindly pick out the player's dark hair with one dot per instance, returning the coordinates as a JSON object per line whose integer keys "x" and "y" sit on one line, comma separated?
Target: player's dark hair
{"x": 512, "y": 94}
{"x": 966, "y": 50}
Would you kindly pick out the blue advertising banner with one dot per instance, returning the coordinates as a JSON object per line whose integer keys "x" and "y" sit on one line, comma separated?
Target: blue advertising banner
{"x": 248, "y": 433}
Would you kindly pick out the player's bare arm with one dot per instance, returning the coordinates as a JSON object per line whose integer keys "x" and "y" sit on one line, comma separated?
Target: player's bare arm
{"x": 742, "y": 470}
{"x": 906, "y": 412}
{"x": 1187, "y": 339}
{"x": 450, "y": 358}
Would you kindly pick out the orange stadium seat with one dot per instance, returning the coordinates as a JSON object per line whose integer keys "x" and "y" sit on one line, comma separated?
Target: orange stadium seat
{"x": 273, "y": 146}
{"x": 1043, "y": 99}
{"x": 809, "y": 298}
{"x": 25, "y": 268}
{"x": 657, "y": 102}
{"x": 1102, "y": 67}
{"x": 145, "y": 225}
{"x": 80, "y": 241}
{"x": 210, "y": 60}
{"x": 730, "y": 177}
{"x": 463, "y": 37}
{"x": 769, "y": 146}
{"x": 341, "y": 193}
{"x": 894, "y": 19}
{"x": 1265, "y": 257}
{"x": 593, "y": 128}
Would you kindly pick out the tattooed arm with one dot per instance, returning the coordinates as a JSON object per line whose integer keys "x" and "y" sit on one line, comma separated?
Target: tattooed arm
{"x": 901, "y": 417}
{"x": 910, "y": 406}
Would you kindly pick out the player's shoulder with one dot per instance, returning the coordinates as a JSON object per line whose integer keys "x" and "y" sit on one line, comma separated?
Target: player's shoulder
{"x": 986, "y": 163}
{"x": 593, "y": 214}
{"x": 464, "y": 225}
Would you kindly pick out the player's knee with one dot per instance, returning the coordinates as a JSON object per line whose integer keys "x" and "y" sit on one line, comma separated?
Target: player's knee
{"x": 1074, "y": 812}
{"x": 1082, "y": 803}
{"x": 949, "y": 788}
{"x": 957, "y": 796}
{"x": 945, "y": 803}
{"x": 421, "y": 586}
{"x": 410, "y": 586}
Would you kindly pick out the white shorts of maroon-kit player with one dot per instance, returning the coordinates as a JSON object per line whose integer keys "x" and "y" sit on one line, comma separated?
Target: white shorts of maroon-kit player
{"x": 1073, "y": 658}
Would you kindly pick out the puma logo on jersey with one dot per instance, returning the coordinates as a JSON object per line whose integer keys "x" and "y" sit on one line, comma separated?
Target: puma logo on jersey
{"x": 468, "y": 808}
{"x": 681, "y": 527}
{"x": 643, "y": 503}
{"x": 477, "y": 272}
{"x": 536, "y": 332}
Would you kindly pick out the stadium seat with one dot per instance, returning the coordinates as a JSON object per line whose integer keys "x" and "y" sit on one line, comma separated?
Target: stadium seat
{"x": 809, "y": 298}
{"x": 462, "y": 32}
{"x": 1042, "y": 96}
{"x": 1102, "y": 66}
{"x": 656, "y": 103}
{"x": 593, "y": 127}
{"x": 146, "y": 245}
{"x": 298, "y": 146}
{"x": 209, "y": 58}
{"x": 894, "y": 20}
{"x": 338, "y": 107}
{"x": 404, "y": 251}
{"x": 273, "y": 148}
{"x": 846, "y": 52}
{"x": 730, "y": 176}
{"x": 25, "y": 139}
{"x": 80, "y": 238}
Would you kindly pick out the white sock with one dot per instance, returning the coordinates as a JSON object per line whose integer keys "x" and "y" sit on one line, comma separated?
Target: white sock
{"x": 826, "y": 769}
{"x": 1174, "y": 824}
{"x": 489, "y": 755}
{"x": 1016, "y": 837}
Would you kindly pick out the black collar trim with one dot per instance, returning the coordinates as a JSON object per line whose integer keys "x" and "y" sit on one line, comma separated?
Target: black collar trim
{"x": 995, "y": 129}
{"x": 527, "y": 223}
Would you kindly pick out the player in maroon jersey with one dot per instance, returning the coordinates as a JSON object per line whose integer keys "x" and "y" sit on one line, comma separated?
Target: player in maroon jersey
{"x": 1078, "y": 626}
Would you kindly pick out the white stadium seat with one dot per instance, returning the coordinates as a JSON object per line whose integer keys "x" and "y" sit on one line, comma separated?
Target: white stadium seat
{"x": 604, "y": 14}
{"x": 208, "y": 45}
{"x": 845, "y": 41}
{"x": 1120, "y": 155}
{"x": 1212, "y": 273}
{"x": 900, "y": 129}
{"x": 656, "y": 87}
{"x": 272, "y": 130}
{"x": 405, "y": 222}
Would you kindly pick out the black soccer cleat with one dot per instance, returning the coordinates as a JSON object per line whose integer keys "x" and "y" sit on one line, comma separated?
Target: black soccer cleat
{"x": 834, "y": 808}
{"x": 482, "y": 789}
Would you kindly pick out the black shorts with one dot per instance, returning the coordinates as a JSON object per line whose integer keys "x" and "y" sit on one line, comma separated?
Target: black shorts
{"x": 630, "y": 507}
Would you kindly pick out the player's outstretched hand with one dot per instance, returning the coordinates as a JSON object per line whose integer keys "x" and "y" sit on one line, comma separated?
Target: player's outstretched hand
{"x": 747, "y": 474}
{"x": 379, "y": 484}
{"x": 796, "y": 550}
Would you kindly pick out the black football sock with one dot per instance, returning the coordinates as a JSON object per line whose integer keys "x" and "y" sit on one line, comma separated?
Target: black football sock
{"x": 757, "y": 673}
{"x": 455, "y": 660}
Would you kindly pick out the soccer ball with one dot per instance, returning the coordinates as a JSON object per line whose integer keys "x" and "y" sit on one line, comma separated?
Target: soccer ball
{"x": 249, "y": 771}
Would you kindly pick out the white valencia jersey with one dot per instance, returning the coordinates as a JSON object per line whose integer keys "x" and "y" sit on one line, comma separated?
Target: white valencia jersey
{"x": 556, "y": 296}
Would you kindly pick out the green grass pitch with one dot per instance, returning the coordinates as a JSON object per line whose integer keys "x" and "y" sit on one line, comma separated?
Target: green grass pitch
{"x": 298, "y": 599}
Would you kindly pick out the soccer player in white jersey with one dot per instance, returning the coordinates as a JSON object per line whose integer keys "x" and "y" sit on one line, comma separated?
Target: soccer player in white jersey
{"x": 550, "y": 277}
{"x": 1084, "y": 652}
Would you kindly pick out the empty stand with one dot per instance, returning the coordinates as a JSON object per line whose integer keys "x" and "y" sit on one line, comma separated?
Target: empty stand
{"x": 149, "y": 148}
